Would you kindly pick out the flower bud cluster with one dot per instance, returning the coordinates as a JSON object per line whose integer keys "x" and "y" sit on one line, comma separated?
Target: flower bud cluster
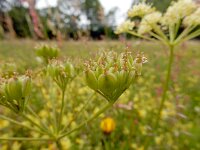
{"x": 193, "y": 19}
{"x": 148, "y": 21}
{"x": 61, "y": 72}
{"x": 178, "y": 11}
{"x": 112, "y": 74}
{"x": 47, "y": 52}
{"x": 140, "y": 10}
{"x": 125, "y": 27}
{"x": 14, "y": 92}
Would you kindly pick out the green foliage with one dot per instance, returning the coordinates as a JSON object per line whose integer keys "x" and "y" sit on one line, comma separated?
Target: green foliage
{"x": 20, "y": 24}
{"x": 1, "y": 32}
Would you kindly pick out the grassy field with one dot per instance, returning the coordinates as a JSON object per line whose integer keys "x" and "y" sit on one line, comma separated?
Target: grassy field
{"x": 135, "y": 110}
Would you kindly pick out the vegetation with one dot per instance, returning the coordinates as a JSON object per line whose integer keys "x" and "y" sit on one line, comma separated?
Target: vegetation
{"x": 133, "y": 111}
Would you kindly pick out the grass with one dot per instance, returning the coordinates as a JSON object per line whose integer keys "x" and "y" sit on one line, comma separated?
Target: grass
{"x": 180, "y": 118}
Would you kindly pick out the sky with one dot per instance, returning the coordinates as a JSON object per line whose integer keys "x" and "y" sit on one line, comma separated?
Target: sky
{"x": 123, "y": 6}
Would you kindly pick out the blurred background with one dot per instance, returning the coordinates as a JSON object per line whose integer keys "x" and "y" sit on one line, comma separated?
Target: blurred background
{"x": 65, "y": 19}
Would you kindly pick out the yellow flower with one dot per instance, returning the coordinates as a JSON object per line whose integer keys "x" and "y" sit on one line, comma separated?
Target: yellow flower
{"x": 107, "y": 125}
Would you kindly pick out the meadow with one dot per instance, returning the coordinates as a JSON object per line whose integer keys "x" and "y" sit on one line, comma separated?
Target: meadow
{"x": 132, "y": 114}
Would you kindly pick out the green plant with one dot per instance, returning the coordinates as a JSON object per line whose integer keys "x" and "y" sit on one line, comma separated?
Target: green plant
{"x": 109, "y": 75}
{"x": 148, "y": 23}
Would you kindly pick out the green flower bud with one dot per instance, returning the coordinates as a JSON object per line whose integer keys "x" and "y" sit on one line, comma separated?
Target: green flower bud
{"x": 112, "y": 74}
{"x": 91, "y": 80}
{"x": 14, "y": 93}
{"x": 47, "y": 53}
{"x": 61, "y": 72}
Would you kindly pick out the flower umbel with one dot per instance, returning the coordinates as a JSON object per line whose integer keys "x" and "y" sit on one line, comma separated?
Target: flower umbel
{"x": 61, "y": 72}
{"x": 125, "y": 27}
{"x": 14, "y": 92}
{"x": 47, "y": 52}
{"x": 112, "y": 74}
{"x": 140, "y": 10}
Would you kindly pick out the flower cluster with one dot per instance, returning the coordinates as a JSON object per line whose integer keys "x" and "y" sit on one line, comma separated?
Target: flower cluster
{"x": 140, "y": 10}
{"x": 182, "y": 11}
{"x": 125, "y": 27}
{"x": 193, "y": 19}
{"x": 14, "y": 92}
{"x": 112, "y": 74}
{"x": 61, "y": 72}
{"x": 148, "y": 21}
{"x": 47, "y": 52}
{"x": 178, "y": 11}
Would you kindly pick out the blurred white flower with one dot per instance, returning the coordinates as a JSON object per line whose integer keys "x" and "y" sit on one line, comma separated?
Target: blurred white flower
{"x": 148, "y": 21}
{"x": 193, "y": 19}
{"x": 125, "y": 26}
{"x": 178, "y": 11}
{"x": 140, "y": 10}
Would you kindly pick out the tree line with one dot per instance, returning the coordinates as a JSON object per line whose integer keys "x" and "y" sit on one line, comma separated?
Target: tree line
{"x": 70, "y": 19}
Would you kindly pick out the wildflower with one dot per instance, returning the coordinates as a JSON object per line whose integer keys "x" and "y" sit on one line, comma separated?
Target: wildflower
{"x": 125, "y": 27}
{"x": 47, "y": 52}
{"x": 61, "y": 72}
{"x": 107, "y": 125}
{"x": 193, "y": 19}
{"x": 178, "y": 11}
{"x": 112, "y": 74}
{"x": 14, "y": 93}
{"x": 140, "y": 10}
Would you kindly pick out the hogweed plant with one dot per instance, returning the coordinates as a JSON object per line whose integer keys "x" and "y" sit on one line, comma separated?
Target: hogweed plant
{"x": 180, "y": 22}
{"x": 109, "y": 75}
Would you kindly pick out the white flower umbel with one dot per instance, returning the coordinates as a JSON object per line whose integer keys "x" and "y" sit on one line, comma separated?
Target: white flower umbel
{"x": 193, "y": 19}
{"x": 140, "y": 10}
{"x": 148, "y": 21}
{"x": 125, "y": 27}
{"x": 178, "y": 11}
{"x": 168, "y": 29}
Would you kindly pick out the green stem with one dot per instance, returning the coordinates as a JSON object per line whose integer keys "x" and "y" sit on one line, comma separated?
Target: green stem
{"x": 24, "y": 139}
{"x": 61, "y": 110}
{"x": 35, "y": 124}
{"x": 77, "y": 114}
{"x": 165, "y": 89}
{"x": 19, "y": 123}
{"x": 41, "y": 122}
{"x": 59, "y": 145}
{"x": 166, "y": 86}
{"x": 141, "y": 36}
{"x": 87, "y": 121}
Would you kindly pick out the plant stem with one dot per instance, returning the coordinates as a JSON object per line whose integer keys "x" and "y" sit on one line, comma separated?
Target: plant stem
{"x": 35, "y": 124}
{"x": 165, "y": 89}
{"x": 166, "y": 86}
{"x": 58, "y": 144}
{"x": 61, "y": 110}
{"x": 19, "y": 123}
{"x": 36, "y": 115}
{"x": 87, "y": 121}
{"x": 77, "y": 114}
{"x": 24, "y": 139}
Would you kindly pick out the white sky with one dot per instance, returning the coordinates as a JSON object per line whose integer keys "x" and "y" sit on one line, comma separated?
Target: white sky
{"x": 123, "y": 6}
